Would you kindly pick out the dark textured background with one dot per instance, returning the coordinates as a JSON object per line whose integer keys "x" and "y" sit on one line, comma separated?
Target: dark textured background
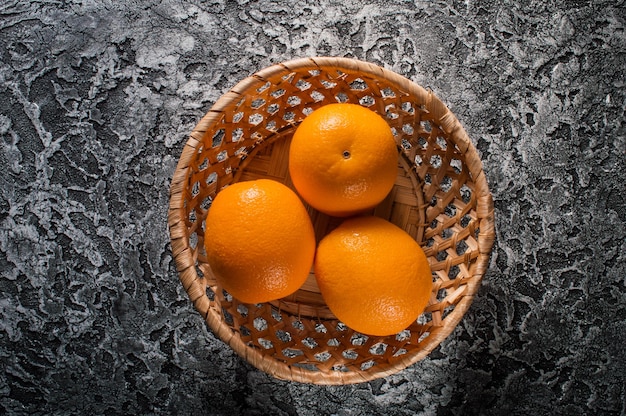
{"x": 97, "y": 99}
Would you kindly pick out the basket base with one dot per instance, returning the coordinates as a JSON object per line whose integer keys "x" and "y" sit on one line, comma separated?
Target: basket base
{"x": 269, "y": 160}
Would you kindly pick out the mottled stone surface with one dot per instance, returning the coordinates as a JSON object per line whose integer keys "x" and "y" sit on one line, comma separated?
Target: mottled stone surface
{"x": 97, "y": 99}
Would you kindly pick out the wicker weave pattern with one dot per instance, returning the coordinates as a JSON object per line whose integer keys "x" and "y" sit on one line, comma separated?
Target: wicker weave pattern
{"x": 440, "y": 197}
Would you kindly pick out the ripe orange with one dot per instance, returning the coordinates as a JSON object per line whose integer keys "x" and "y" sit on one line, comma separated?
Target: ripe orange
{"x": 343, "y": 159}
{"x": 373, "y": 275}
{"x": 259, "y": 240}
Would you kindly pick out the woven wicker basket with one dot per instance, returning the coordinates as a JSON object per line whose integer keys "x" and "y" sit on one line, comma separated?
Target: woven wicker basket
{"x": 441, "y": 198}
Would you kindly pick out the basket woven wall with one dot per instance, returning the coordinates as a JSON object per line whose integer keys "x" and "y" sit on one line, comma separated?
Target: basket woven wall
{"x": 441, "y": 198}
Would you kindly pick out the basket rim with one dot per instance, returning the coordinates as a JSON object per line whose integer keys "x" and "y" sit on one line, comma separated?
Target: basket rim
{"x": 185, "y": 261}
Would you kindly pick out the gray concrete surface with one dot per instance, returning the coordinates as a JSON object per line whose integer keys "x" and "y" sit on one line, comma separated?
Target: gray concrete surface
{"x": 96, "y": 101}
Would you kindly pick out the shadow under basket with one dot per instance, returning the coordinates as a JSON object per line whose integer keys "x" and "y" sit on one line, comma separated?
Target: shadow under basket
{"x": 441, "y": 198}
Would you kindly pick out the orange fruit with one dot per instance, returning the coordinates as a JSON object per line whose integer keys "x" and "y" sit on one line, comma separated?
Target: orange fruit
{"x": 259, "y": 240}
{"x": 373, "y": 275}
{"x": 343, "y": 159}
